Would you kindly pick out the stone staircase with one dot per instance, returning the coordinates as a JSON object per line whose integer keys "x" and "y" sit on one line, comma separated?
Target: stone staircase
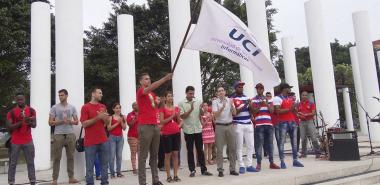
{"x": 371, "y": 178}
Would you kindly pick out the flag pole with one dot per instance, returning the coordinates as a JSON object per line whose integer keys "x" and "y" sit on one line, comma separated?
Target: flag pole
{"x": 186, "y": 34}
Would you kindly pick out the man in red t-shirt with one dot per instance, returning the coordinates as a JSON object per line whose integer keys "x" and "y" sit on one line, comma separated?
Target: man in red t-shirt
{"x": 20, "y": 120}
{"x": 94, "y": 118}
{"x": 148, "y": 129}
{"x": 306, "y": 112}
{"x": 284, "y": 108}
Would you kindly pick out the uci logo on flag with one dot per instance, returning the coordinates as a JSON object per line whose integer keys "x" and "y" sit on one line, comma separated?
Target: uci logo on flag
{"x": 248, "y": 45}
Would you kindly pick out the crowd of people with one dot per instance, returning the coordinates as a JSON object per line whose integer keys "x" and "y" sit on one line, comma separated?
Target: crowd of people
{"x": 154, "y": 130}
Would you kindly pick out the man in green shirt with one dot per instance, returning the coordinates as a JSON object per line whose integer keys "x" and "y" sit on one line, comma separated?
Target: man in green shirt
{"x": 192, "y": 128}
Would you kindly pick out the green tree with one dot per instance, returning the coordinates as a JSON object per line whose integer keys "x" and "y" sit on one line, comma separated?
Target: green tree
{"x": 341, "y": 61}
{"x": 152, "y": 48}
{"x": 151, "y": 27}
{"x": 342, "y": 71}
{"x": 14, "y": 49}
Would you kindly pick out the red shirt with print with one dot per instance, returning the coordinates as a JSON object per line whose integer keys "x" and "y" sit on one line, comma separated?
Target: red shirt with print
{"x": 147, "y": 107}
{"x": 172, "y": 126}
{"x": 306, "y": 107}
{"x": 284, "y": 103}
{"x": 22, "y": 135}
{"x": 118, "y": 130}
{"x": 132, "y": 131}
{"x": 94, "y": 134}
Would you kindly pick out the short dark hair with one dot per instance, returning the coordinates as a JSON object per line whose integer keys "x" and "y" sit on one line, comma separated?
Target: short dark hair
{"x": 64, "y": 91}
{"x": 141, "y": 75}
{"x": 20, "y": 94}
{"x": 268, "y": 93}
{"x": 94, "y": 89}
{"x": 190, "y": 88}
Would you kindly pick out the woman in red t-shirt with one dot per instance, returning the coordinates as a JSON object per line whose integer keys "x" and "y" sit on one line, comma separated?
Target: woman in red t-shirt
{"x": 115, "y": 127}
{"x": 171, "y": 134}
{"x": 132, "y": 121}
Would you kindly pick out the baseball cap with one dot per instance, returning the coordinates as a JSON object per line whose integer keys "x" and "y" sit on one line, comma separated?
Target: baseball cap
{"x": 284, "y": 86}
{"x": 237, "y": 83}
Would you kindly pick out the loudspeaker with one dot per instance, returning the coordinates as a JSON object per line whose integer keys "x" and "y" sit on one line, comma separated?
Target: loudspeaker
{"x": 343, "y": 146}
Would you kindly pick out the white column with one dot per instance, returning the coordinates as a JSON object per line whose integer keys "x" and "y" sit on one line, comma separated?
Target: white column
{"x": 184, "y": 75}
{"x": 347, "y": 109}
{"x": 69, "y": 67}
{"x": 290, "y": 65}
{"x": 40, "y": 81}
{"x": 358, "y": 90}
{"x": 321, "y": 63}
{"x": 378, "y": 58}
{"x": 246, "y": 76}
{"x": 188, "y": 67}
{"x": 257, "y": 23}
{"x": 367, "y": 68}
{"x": 127, "y": 76}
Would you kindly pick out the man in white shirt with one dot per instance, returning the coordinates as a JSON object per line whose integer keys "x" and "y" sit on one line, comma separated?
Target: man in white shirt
{"x": 223, "y": 110}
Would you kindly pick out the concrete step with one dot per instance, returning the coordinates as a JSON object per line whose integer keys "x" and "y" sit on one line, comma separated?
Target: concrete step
{"x": 362, "y": 179}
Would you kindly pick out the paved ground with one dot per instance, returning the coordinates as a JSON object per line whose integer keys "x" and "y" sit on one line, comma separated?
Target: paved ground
{"x": 314, "y": 171}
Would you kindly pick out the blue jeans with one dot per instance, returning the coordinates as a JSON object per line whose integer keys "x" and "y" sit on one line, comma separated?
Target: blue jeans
{"x": 264, "y": 134}
{"x": 281, "y": 129}
{"x": 98, "y": 166}
{"x": 90, "y": 154}
{"x": 116, "y": 143}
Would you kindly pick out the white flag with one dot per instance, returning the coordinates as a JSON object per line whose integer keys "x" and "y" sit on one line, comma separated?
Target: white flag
{"x": 220, "y": 32}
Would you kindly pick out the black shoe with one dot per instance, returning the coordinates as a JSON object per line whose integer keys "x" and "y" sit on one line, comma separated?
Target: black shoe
{"x": 176, "y": 179}
{"x": 169, "y": 180}
{"x": 234, "y": 173}
{"x": 192, "y": 174}
{"x": 158, "y": 183}
{"x": 206, "y": 173}
{"x": 220, "y": 174}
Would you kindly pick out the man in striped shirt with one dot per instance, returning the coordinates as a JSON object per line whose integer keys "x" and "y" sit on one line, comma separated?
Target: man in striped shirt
{"x": 262, "y": 109}
{"x": 244, "y": 128}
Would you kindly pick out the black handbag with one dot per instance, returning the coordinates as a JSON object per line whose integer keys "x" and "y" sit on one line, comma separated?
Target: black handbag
{"x": 8, "y": 143}
{"x": 79, "y": 145}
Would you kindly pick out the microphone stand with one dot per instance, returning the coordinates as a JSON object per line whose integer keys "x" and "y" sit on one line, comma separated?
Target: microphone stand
{"x": 367, "y": 119}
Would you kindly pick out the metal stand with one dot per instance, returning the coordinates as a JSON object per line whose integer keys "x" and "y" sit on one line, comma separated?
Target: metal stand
{"x": 367, "y": 119}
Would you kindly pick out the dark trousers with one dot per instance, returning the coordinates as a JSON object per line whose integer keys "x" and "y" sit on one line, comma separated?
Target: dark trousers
{"x": 161, "y": 154}
{"x": 196, "y": 139}
{"x": 29, "y": 157}
{"x": 98, "y": 166}
{"x": 298, "y": 138}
